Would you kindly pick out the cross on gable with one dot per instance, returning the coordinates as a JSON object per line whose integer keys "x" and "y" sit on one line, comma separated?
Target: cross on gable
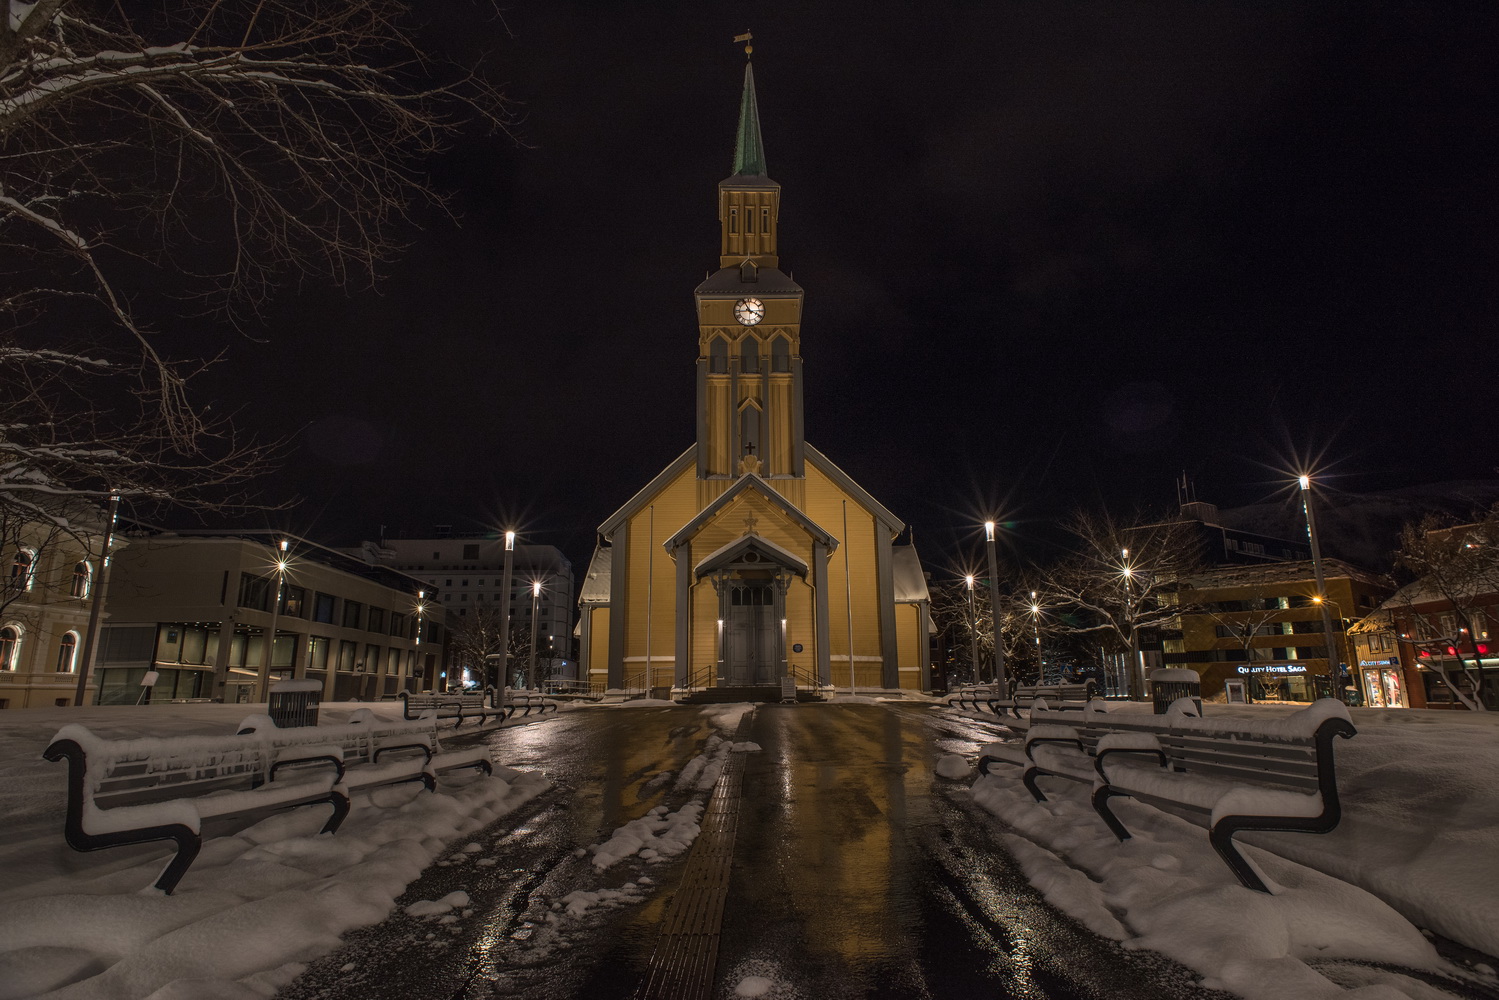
{"x": 749, "y": 524}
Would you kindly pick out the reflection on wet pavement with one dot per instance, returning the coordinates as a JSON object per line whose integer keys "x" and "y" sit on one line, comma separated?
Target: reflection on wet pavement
{"x": 856, "y": 873}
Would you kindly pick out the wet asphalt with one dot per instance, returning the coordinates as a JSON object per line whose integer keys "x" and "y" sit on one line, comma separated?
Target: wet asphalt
{"x": 857, "y": 873}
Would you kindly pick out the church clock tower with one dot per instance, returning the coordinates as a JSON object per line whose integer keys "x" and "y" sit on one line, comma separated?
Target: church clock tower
{"x": 752, "y": 562}
{"x": 749, "y": 313}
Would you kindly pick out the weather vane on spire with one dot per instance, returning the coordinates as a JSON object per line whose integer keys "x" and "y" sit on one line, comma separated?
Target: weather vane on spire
{"x": 745, "y": 38}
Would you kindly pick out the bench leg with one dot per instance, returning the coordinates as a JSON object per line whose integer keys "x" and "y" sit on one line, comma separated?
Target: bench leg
{"x": 1029, "y": 780}
{"x": 1101, "y": 796}
{"x": 1221, "y": 836}
{"x": 188, "y": 846}
{"x": 339, "y": 800}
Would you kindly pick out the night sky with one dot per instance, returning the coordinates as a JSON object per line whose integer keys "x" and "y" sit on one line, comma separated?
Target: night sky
{"x": 1054, "y": 255}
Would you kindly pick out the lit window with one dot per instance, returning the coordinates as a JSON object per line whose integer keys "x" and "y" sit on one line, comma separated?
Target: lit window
{"x": 23, "y": 569}
{"x": 10, "y": 641}
{"x": 80, "y": 579}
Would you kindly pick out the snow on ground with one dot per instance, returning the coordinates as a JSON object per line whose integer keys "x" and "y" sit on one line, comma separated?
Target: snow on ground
{"x": 81, "y": 926}
{"x": 1419, "y": 835}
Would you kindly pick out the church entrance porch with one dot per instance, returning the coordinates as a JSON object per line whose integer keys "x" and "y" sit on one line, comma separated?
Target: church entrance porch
{"x": 751, "y": 608}
{"x": 750, "y": 636}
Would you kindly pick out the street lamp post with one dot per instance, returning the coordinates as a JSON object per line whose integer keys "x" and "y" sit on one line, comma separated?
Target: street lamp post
{"x": 1320, "y": 599}
{"x": 1135, "y": 676}
{"x": 1036, "y": 625}
{"x": 504, "y": 674}
{"x": 421, "y": 607}
{"x": 1001, "y": 682}
{"x": 973, "y": 630}
{"x": 535, "y": 612}
{"x": 270, "y": 636}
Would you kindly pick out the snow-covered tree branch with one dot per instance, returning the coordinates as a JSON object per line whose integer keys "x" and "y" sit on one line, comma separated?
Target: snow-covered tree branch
{"x": 163, "y": 162}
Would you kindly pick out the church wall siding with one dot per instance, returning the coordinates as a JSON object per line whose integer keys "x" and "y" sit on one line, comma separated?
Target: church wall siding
{"x": 598, "y": 650}
{"x": 825, "y": 505}
{"x": 908, "y": 629}
{"x": 652, "y": 579}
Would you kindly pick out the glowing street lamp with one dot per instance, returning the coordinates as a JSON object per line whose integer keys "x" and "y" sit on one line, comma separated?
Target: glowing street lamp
{"x": 270, "y": 636}
{"x": 1320, "y": 598}
{"x": 504, "y": 673}
{"x": 973, "y": 629}
{"x": 1136, "y": 659}
{"x": 421, "y": 608}
{"x": 1001, "y": 682}
{"x": 535, "y": 612}
{"x": 1036, "y": 625}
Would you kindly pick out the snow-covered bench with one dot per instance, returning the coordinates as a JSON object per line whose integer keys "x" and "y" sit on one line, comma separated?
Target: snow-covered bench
{"x": 1065, "y": 697}
{"x": 143, "y": 790}
{"x": 1059, "y": 697}
{"x": 521, "y": 699}
{"x": 972, "y": 694}
{"x": 1233, "y": 774}
{"x": 446, "y": 705}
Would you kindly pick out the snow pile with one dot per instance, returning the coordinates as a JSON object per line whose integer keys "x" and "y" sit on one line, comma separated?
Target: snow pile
{"x": 656, "y": 836}
{"x": 437, "y": 907}
{"x": 753, "y": 986}
{"x": 580, "y": 901}
{"x": 953, "y": 766}
{"x": 746, "y": 747}
{"x": 1167, "y": 890}
{"x": 254, "y": 906}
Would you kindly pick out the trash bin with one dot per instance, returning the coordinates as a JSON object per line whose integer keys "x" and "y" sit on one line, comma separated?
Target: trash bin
{"x": 1167, "y": 685}
{"x": 294, "y": 703}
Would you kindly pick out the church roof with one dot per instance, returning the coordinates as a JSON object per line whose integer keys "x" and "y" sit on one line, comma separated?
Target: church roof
{"x": 892, "y": 523}
{"x": 749, "y": 481}
{"x": 769, "y": 282}
{"x": 749, "y": 151}
{"x": 736, "y": 548}
{"x": 595, "y": 589}
{"x": 648, "y": 492}
{"x": 910, "y": 581}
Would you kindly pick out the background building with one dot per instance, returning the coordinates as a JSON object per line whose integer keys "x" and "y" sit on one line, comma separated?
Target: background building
{"x": 1259, "y": 627}
{"x": 46, "y": 593}
{"x": 467, "y": 572}
{"x": 196, "y": 608}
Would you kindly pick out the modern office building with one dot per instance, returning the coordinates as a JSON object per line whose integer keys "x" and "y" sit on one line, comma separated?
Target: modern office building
{"x": 195, "y": 607}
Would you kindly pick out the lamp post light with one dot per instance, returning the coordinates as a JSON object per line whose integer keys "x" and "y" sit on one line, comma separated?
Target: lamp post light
{"x": 504, "y": 673}
{"x": 973, "y": 629}
{"x": 1136, "y": 663}
{"x": 1341, "y": 647}
{"x": 1335, "y": 688}
{"x": 535, "y": 612}
{"x": 1001, "y": 682}
{"x": 270, "y": 636}
{"x": 1036, "y": 625}
{"x": 421, "y": 607}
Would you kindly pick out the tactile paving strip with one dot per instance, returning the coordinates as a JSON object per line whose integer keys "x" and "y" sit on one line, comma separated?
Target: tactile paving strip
{"x": 686, "y": 956}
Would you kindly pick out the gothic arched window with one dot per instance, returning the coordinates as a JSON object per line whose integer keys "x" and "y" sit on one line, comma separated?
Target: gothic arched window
{"x": 749, "y": 355}
{"x": 780, "y": 355}
{"x": 718, "y": 356}
{"x": 749, "y": 430}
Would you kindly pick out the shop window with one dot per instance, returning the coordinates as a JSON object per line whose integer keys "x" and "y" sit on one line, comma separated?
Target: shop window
{"x": 317, "y": 652}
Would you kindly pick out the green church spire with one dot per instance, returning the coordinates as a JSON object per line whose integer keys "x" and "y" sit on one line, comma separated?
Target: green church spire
{"x": 749, "y": 151}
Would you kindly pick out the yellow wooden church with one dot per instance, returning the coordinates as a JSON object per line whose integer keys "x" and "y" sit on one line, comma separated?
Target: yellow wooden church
{"x": 752, "y": 557}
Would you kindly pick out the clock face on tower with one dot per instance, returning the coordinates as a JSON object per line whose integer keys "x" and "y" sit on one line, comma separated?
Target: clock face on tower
{"x": 749, "y": 311}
